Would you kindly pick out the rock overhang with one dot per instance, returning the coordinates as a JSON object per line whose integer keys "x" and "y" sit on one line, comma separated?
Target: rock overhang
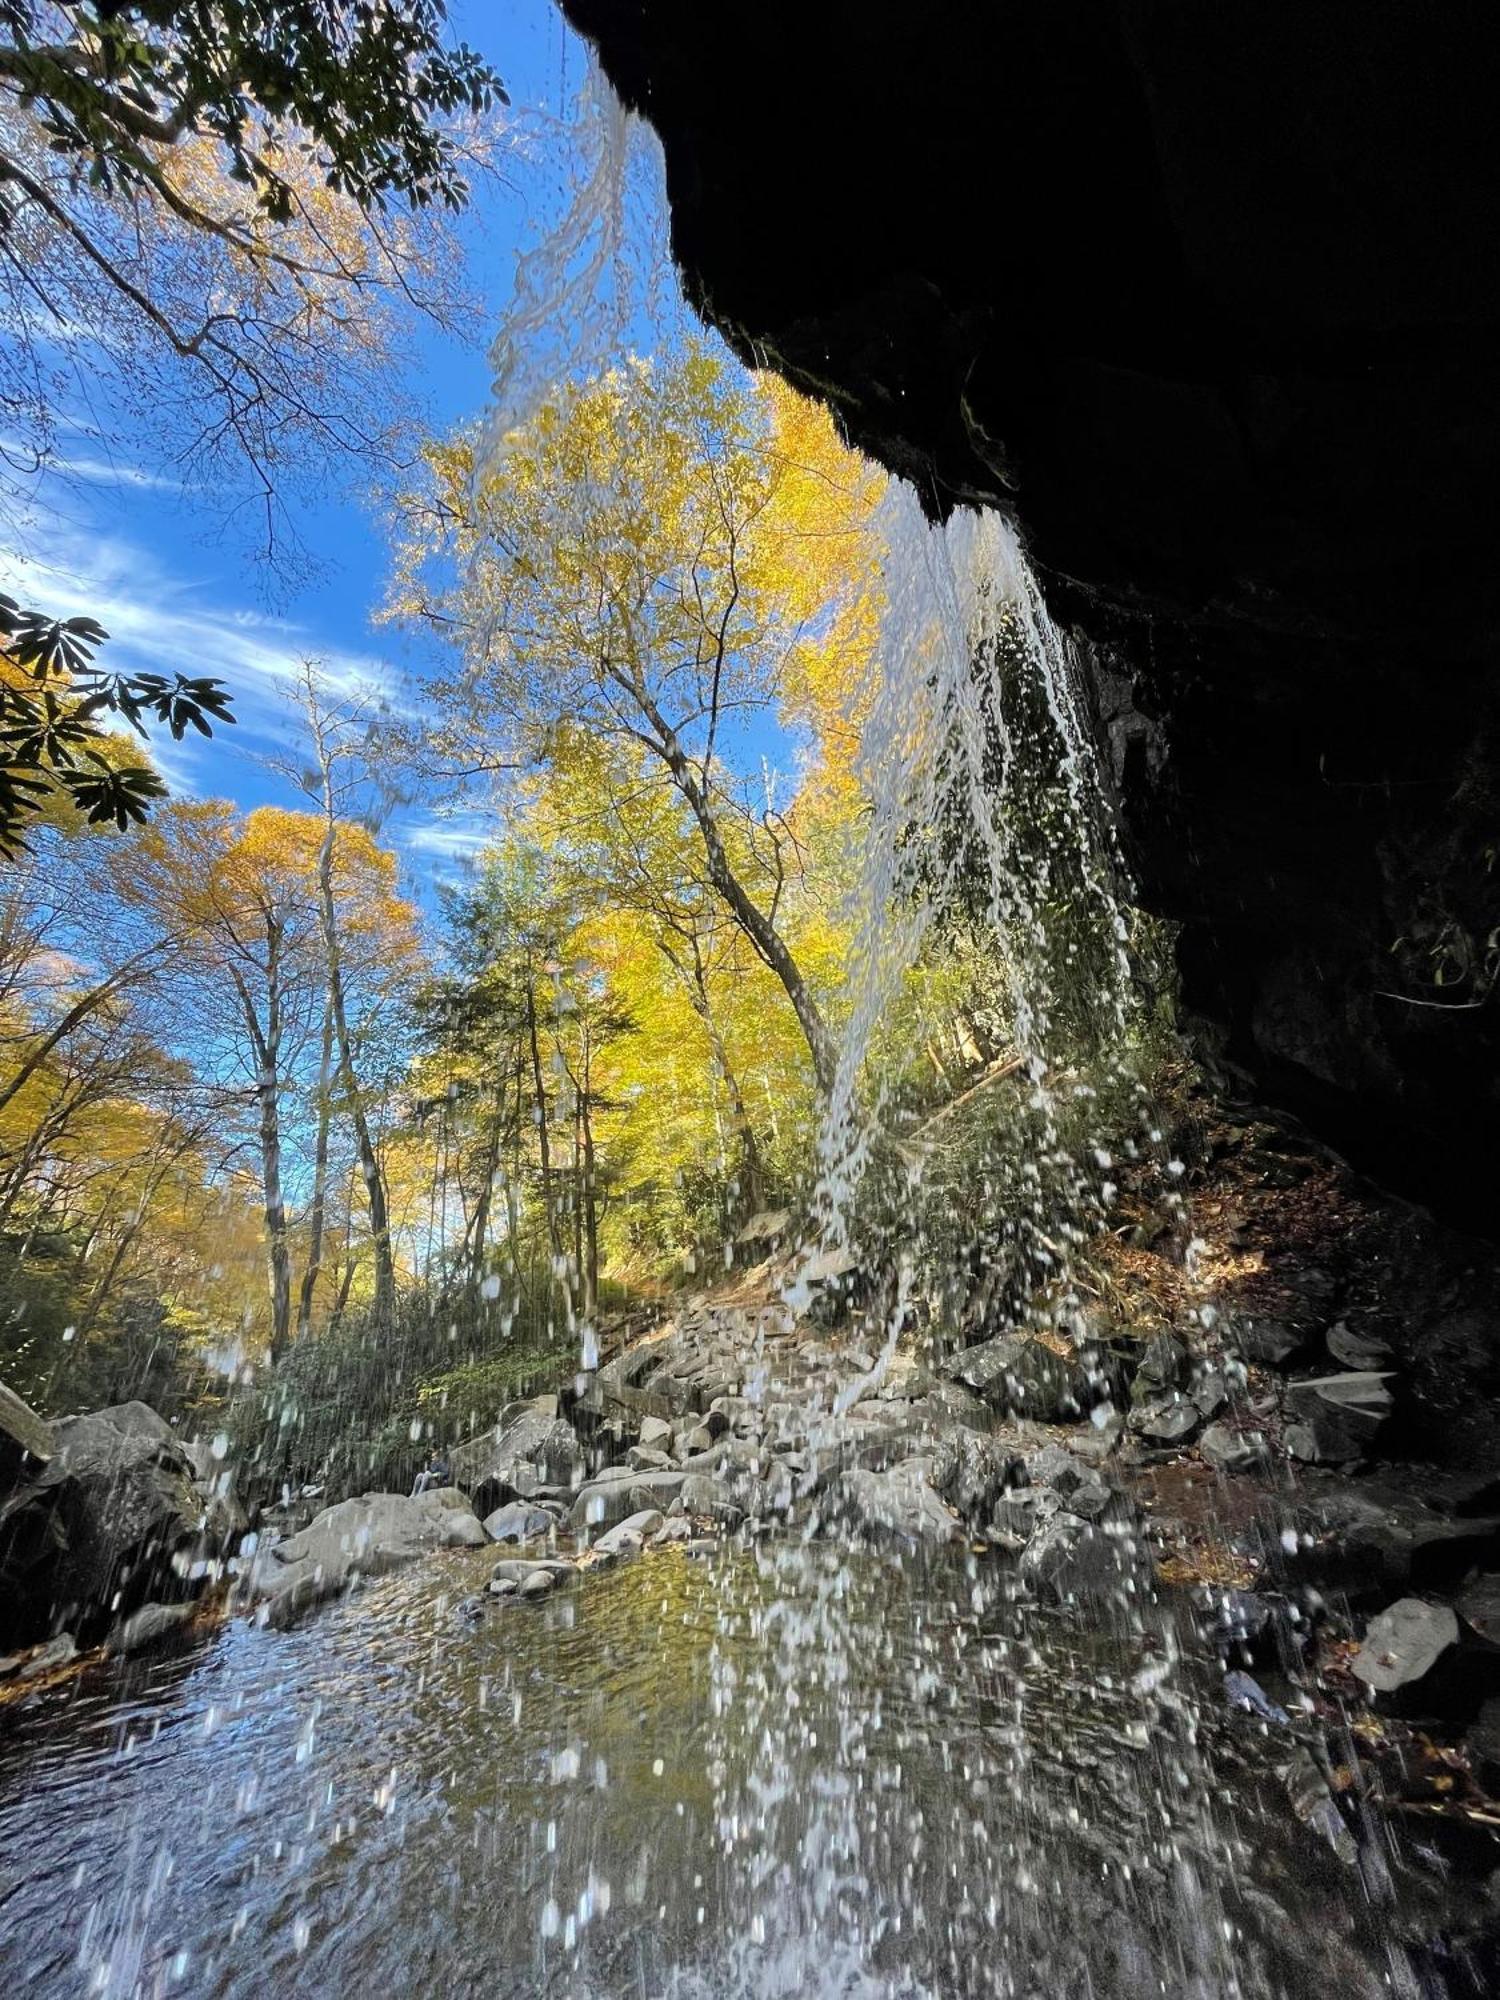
{"x": 1210, "y": 303}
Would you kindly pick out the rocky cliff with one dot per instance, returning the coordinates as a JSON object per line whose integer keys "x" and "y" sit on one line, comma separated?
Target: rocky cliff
{"x": 1209, "y": 298}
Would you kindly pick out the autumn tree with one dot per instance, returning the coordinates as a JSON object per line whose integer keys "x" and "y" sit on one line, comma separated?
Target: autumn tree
{"x": 251, "y": 895}
{"x": 338, "y": 730}
{"x": 115, "y": 1162}
{"x": 517, "y": 1033}
{"x": 643, "y": 566}
{"x": 627, "y": 847}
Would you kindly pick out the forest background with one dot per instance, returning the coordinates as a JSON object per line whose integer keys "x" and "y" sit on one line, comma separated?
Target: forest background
{"x": 494, "y": 972}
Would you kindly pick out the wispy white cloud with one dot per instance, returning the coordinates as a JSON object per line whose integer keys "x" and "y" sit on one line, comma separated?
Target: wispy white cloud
{"x": 162, "y": 621}
{"x": 450, "y": 837}
{"x": 105, "y": 472}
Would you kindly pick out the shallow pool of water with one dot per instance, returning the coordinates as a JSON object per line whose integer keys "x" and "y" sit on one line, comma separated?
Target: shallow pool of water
{"x": 770, "y": 1773}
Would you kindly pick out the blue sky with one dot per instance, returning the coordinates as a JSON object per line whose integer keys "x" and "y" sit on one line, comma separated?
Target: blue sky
{"x": 176, "y": 590}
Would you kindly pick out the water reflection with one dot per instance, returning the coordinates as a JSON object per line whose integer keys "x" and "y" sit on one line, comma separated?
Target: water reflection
{"x": 773, "y": 1773}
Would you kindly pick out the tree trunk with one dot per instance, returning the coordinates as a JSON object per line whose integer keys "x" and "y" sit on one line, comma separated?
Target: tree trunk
{"x": 753, "y": 1191}
{"x": 513, "y": 1181}
{"x": 480, "y": 1226}
{"x": 544, "y": 1143}
{"x": 317, "y": 1208}
{"x": 752, "y": 1172}
{"x": 590, "y": 1205}
{"x": 578, "y": 1190}
{"x": 757, "y": 926}
{"x": 267, "y": 1046}
{"x": 369, "y": 1162}
{"x": 346, "y": 1281}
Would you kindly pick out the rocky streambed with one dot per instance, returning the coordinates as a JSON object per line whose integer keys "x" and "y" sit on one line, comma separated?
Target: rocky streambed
{"x": 1217, "y": 1521}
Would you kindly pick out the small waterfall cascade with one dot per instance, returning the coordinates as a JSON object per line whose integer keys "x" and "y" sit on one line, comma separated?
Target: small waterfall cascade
{"x": 986, "y": 802}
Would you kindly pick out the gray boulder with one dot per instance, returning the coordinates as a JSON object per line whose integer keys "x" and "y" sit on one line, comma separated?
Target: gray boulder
{"x": 453, "y": 1520}
{"x": 1071, "y": 1559}
{"x": 368, "y": 1536}
{"x": 527, "y": 1450}
{"x": 1024, "y": 1377}
{"x": 676, "y": 1528}
{"x": 519, "y": 1521}
{"x": 1343, "y": 1412}
{"x": 1269, "y": 1341}
{"x": 111, "y": 1519}
{"x": 1045, "y": 1386}
{"x": 951, "y": 1403}
{"x": 139, "y": 1420}
{"x": 1479, "y": 1607}
{"x": 984, "y": 1368}
{"x": 1080, "y": 1487}
{"x": 896, "y": 1506}
{"x": 1404, "y": 1643}
{"x": 627, "y": 1384}
{"x": 1163, "y": 1365}
{"x": 514, "y": 1570}
{"x": 1170, "y": 1421}
{"x": 973, "y": 1472}
{"x": 57, "y": 1652}
{"x": 629, "y": 1536}
{"x": 1361, "y": 1351}
{"x": 703, "y": 1496}
{"x": 612, "y": 1498}
{"x": 1363, "y": 1535}
{"x": 1229, "y": 1450}
{"x": 147, "y": 1626}
{"x": 644, "y": 1459}
{"x": 1015, "y": 1515}
{"x": 1207, "y": 1390}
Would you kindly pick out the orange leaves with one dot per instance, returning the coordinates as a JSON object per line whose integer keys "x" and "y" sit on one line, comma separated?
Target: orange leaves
{"x": 222, "y": 876}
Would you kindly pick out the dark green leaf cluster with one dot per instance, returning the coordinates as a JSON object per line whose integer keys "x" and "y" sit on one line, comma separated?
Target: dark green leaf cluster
{"x": 356, "y": 85}
{"x": 52, "y": 726}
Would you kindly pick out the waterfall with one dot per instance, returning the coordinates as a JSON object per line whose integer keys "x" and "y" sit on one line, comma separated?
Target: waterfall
{"x": 598, "y": 279}
{"x": 985, "y": 804}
